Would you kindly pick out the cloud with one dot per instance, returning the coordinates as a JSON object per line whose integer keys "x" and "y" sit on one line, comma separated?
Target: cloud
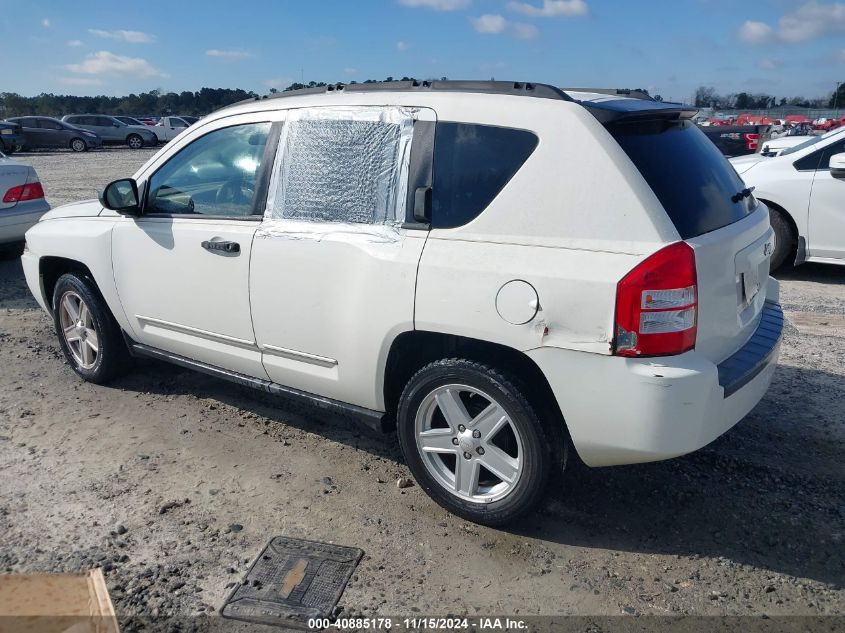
{"x": 769, "y": 64}
{"x": 81, "y": 81}
{"x": 523, "y": 31}
{"x": 489, "y": 23}
{"x": 228, "y": 54}
{"x": 551, "y": 8}
{"x": 494, "y": 24}
{"x": 402, "y": 46}
{"x": 74, "y": 43}
{"x": 133, "y": 37}
{"x": 755, "y": 32}
{"x": 45, "y": 23}
{"x": 808, "y": 22}
{"x": 350, "y": 71}
{"x": 841, "y": 55}
{"x": 105, "y": 62}
{"x": 437, "y": 5}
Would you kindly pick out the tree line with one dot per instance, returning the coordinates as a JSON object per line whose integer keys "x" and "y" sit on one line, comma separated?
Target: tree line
{"x": 707, "y": 97}
{"x": 153, "y": 103}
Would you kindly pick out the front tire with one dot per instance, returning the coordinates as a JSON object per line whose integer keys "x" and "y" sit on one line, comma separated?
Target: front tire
{"x": 473, "y": 441}
{"x": 78, "y": 145}
{"x": 785, "y": 238}
{"x": 134, "y": 141}
{"x": 89, "y": 336}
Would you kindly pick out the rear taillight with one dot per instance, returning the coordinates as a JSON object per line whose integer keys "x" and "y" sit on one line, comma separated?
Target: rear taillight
{"x": 656, "y": 305}
{"x": 21, "y": 193}
{"x": 752, "y": 141}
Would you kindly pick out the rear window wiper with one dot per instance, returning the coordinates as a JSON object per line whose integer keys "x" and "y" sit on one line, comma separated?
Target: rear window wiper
{"x": 745, "y": 193}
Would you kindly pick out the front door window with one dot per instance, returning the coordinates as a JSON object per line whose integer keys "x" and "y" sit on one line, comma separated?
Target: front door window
{"x": 214, "y": 176}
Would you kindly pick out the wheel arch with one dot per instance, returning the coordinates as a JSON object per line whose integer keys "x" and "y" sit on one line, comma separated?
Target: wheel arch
{"x": 412, "y": 350}
{"x": 771, "y": 204}
{"x": 800, "y": 238}
{"x": 50, "y": 268}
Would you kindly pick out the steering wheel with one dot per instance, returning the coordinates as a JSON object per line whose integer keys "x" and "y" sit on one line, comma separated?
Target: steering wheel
{"x": 235, "y": 191}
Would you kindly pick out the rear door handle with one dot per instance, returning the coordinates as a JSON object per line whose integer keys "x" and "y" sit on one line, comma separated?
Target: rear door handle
{"x": 224, "y": 247}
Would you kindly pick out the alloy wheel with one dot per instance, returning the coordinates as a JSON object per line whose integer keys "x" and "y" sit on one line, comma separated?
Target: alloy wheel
{"x": 78, "y": 330}
{"x": 468, "y": 443}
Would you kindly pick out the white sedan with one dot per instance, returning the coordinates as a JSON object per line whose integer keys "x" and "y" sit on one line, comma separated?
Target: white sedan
{"x": 22, "y": 202}
{"x": 804, "y": 188}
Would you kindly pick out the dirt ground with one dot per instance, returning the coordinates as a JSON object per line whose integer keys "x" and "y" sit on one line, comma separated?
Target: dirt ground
{"x": 173, "y": 481}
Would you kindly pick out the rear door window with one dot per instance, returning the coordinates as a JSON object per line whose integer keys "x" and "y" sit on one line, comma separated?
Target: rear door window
{"x": 689, "y": 175}
{"x": 472, "y": 164}
{"x": 345, "y": 165}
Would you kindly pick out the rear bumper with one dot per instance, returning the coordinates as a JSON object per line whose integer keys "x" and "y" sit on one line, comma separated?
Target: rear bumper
{"x": 15, "y": 222}
{"x": 630, "y": 410}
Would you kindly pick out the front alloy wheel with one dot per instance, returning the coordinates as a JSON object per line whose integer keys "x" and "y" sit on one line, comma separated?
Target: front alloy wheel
{"x": 79, "y": 330}
{"x": 78, "y": 145}
{"x": 135, "y": 142}
{"x": 89, "y": 336}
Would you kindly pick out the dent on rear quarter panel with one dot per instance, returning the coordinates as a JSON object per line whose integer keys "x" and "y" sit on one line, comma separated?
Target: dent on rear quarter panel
{"x": 458, "y": 283}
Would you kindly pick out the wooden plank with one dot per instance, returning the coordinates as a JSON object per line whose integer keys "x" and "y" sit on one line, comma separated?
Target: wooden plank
{"x": 56, "y": 603}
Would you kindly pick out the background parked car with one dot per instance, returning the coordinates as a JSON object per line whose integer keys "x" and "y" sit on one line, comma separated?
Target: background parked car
{"x": 43, "y": 131}
{"x": 169, "y": 127}
{"x": 736, "y": 140}
{"x": 11, "y": 137}
{"x": 111, "y": 130}
{"x": 129, "y": 120}
{"x": 190, "y": 120}
{"x": 22, "y": 203}
{"x": 804, "y": 188}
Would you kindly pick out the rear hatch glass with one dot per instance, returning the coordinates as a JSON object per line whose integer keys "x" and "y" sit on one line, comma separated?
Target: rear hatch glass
{"x": 694, "y": 182}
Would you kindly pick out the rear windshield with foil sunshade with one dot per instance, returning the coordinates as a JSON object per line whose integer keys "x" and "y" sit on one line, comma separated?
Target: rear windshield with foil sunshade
{"x": 689, "y": 175}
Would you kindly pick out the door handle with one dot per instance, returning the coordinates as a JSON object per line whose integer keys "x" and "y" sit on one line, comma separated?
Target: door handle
{"x": 223, "y": 247}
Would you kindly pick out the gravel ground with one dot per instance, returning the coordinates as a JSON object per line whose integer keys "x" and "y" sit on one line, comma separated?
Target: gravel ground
{"x": 172, "y": 481}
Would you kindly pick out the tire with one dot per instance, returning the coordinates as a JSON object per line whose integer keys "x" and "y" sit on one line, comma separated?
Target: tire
{"x": 78, "y": 145}
{"x": 97, "y": 357}
{"x": 134, "y": 141}
{"x": 8, "y": 150}
{"x": 785, "y": 238}
{"x": 507, "y": 441}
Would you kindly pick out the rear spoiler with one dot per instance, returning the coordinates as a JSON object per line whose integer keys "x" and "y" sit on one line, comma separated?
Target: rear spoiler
{"x": 606, "y": 112}
{"x": 628, "y": 105}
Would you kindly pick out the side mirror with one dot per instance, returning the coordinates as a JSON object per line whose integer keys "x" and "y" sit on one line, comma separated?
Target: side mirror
{"x": 837, "y": 165}
{"x": 121, "y": 196}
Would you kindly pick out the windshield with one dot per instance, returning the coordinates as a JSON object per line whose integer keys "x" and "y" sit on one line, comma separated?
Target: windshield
{"x": 809, "y": 142}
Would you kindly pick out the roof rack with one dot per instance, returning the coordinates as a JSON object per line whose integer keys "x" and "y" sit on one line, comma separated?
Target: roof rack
{"x": 515, "y": 88}
{"x": 631, "y": 93}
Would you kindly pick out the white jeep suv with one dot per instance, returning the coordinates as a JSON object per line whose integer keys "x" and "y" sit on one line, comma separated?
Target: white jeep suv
{"x": 497, "y": 269}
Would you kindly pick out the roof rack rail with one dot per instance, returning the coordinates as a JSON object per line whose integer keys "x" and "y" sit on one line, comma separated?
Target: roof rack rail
{"x": 631, "y": 93}
{"x": 516, "y": 88}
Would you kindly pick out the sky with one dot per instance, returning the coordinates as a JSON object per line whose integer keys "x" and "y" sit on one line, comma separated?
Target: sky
{"x": 86, "y": 47}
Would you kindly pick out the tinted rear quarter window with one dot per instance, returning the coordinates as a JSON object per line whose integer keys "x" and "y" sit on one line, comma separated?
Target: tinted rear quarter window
{"x": 689, "y": 175}
{"x": 472, "y": 164}
{"x": 820, "y": 159}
